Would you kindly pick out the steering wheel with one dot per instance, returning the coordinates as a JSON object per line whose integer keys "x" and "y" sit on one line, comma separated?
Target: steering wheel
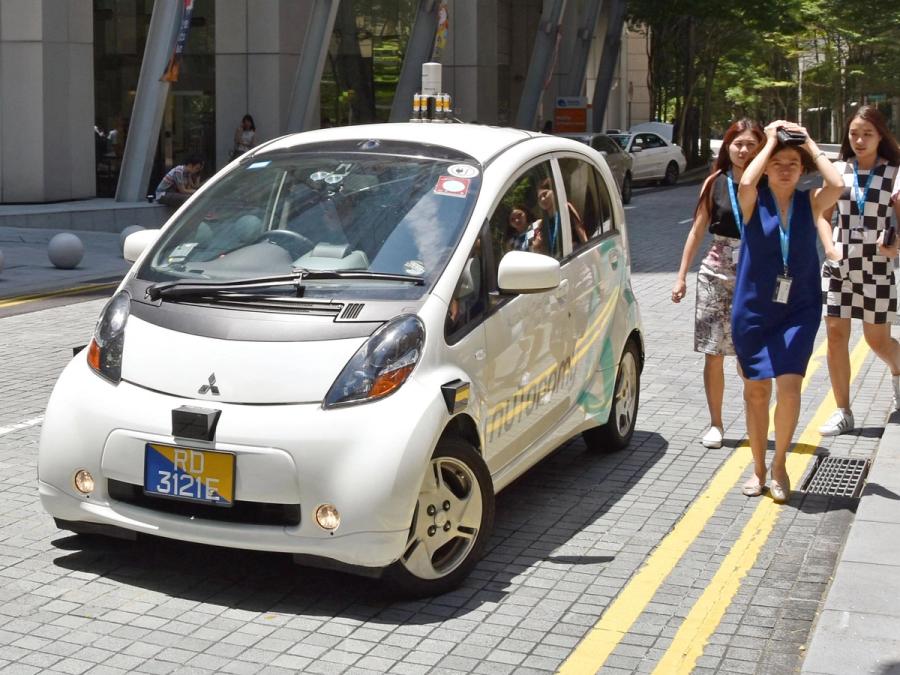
{"x": 292, "y": 242}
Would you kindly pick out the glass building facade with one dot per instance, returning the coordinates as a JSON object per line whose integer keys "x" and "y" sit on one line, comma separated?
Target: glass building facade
{"x": 120, "y": 35}
{"x": 364, "y": 60}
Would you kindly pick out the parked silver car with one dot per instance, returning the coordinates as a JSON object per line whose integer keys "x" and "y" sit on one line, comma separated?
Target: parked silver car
{"x": 619, "y": 161}
{"x": 655, "y": 158}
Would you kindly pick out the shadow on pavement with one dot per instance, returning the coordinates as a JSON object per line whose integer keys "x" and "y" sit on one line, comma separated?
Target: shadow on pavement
{"x": 876, "y": 490}
{"x": 543, "y": 523}
{"x": 867, "y": 432}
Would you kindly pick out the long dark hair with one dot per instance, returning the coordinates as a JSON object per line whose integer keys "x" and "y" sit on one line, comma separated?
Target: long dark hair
{"x": 723, "y": 161}
{"x": 887, "y": 148}
{"x": 248, "y": 118}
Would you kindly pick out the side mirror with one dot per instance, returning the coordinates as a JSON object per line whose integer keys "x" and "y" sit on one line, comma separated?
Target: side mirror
{"x": 636, "y": 148}
{"x": 526, "y": 272}
{"x": 604, "y": 153}
{"x": 137, "y": 242}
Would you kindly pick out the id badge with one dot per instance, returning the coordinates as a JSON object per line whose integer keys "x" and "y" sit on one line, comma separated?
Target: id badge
{"x": 782, "y": 289}
{"x": 735, "y": 255}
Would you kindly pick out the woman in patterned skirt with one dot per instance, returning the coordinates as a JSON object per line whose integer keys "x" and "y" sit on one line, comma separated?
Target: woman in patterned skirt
{"x": 858, "y": 275}
{"x": 715, "y": 210}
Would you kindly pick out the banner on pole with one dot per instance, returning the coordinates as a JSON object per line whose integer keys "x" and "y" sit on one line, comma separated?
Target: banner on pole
{"x": 443, "y": 30}
{"x": 172, "y": 70}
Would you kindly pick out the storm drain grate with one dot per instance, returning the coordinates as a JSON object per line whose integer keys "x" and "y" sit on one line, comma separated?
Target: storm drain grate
{"x": 837, "y": 476}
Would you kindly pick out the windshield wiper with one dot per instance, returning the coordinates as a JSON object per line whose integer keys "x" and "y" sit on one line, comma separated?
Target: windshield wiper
{"x": 182, "y": 288}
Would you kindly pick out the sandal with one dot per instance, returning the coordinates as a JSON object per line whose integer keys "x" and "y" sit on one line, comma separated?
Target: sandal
{"x": 753, "y": 488}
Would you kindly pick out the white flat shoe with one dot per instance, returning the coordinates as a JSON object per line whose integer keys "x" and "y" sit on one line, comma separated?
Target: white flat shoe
{"x": 713, "y": 438}
{"x": 780, "y": 493}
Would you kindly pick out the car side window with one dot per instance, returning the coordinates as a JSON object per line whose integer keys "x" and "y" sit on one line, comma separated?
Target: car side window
{"x": 652, "y": 141}
{"x": 604, "y": 143}
{"x": 467, "y": 305}
{"x": 526, "y": 219}
{"x": 590, "y": 212}
{"x": 607, "y": 221}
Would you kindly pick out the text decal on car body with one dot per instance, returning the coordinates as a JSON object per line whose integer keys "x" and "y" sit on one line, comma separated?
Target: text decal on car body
{"x": 505, "y": 414}
{"x": 529, "y": 398}
{"x": 196, "y": 475}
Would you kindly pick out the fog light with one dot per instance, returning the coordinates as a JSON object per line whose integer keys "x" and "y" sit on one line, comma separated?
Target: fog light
{"x": 327, "y": 517}
{"x": 84, "y": 482}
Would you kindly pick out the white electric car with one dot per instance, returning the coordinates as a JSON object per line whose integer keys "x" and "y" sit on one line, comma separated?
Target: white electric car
{"x": 346, "y": 343}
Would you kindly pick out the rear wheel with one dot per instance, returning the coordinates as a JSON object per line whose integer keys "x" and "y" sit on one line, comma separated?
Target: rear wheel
{"x": 671, "y": 176}
{"x": 452, "y": 522}
{"x": 617, "y": 432}
{"x": 626, "y": 189}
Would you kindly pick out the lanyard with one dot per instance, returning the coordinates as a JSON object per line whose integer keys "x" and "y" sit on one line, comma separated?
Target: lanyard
{"x": 738, "y": 216}
{"x": 784, "y": 230}
{"x": 860, "y": 195}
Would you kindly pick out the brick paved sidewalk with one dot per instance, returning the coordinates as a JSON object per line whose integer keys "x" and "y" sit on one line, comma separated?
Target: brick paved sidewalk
{"x": 569, "y": 537}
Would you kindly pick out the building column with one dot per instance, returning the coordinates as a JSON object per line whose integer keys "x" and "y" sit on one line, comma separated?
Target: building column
{"x": 46, "y": 100}
{"x": 472, "y": 78}
{"x": 258, "y": 44}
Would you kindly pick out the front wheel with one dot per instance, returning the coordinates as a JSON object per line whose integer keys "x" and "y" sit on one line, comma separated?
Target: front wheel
{"x": 617, "y": 432}
{"x": 451, "y": 524}
{"x": 671, "y": 176}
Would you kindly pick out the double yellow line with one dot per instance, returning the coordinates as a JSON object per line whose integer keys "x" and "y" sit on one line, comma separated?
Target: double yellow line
{"x": 24, "y": 299}
{"x": 707, "y": 612}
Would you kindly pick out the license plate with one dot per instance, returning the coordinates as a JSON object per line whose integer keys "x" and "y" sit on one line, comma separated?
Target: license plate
{"x": 191, "y": 475}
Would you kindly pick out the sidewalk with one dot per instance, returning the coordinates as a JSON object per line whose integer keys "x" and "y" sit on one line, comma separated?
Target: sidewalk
{"x": 28, "y": 271}
{"x": 26, "y": 229}
{"x": 858, "y": 629}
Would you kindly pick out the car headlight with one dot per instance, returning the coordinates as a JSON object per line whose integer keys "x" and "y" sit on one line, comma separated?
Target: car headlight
{"x": 381, "y": 365}
{"x": 105, "y": 351}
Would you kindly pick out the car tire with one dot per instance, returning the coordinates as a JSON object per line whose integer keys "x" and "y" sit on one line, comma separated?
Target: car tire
{"x": 616, "y": 433}
{"x": 671, "y": 176}
{"x": 440, "y": 553}
{"x": 626, "y": 189}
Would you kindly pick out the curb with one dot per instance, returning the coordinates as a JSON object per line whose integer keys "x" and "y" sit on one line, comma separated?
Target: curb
{"x": 858, "y": 628}
{"x": 37, "y": 292}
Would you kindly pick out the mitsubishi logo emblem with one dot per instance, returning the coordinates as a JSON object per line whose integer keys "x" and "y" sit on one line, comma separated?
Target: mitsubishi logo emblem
{"x": 210, "y": 388}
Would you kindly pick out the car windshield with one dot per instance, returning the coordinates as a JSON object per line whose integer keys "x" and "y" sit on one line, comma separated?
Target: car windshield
{"x": 621, "y": 139}
{"x": 367, "y": 207}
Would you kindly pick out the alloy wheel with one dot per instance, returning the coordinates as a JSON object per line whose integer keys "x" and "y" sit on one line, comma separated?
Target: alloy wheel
{"x": 447, "y": 519}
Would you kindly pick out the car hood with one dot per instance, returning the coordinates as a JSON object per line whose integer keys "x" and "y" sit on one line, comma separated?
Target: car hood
{"x": 232, "y": 371}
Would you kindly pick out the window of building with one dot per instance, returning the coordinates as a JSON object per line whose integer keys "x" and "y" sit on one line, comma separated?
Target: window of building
{"x": 364, "y": 60}
{"x": 189, "y": 121}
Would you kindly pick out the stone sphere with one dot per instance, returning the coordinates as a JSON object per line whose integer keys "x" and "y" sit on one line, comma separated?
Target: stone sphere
{"x": 65, "y": 250}
{"x": 131, "y": 229}
{"x": 1, "y": 261}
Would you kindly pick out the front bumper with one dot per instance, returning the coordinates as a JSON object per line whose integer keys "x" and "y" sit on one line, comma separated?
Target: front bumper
{"x": 367, "y": 460}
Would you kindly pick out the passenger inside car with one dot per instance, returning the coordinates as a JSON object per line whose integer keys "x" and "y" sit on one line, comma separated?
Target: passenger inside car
{"x": 551, "y": 218}
{"x": 524, "y": 235}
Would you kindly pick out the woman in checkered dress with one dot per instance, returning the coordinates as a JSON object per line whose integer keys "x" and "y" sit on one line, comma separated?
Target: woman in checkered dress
{"x": 858, "y": 274}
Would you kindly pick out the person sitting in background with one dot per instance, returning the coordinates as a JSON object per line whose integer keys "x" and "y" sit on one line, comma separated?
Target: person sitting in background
{"x": 180, "y": 182}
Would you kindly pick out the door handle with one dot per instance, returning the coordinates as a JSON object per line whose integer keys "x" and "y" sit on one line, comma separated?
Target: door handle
{"x": 614, "y": 259}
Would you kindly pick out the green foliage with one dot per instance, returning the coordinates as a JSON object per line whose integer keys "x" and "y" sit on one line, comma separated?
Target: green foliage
{"x": 766, "y": 59}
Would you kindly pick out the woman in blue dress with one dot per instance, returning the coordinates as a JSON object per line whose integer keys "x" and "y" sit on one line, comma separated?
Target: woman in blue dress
{"x": 777, "y": 301}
